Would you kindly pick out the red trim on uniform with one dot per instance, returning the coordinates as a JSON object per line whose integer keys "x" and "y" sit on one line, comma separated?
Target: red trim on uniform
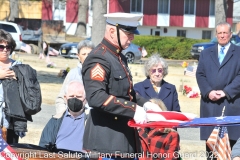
{"x": 130, "y": 88}
{"x": 202, "y": 15}
{"x": 130, "y": 107}
{"x": 108, "y": 100}
{"x": 97, "y": 73}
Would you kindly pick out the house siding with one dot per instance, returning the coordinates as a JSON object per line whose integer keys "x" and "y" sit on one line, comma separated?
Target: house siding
{"x": 150, "y": 12}
{"x": 176, "y": 12}
{"x": 202, "y": 15}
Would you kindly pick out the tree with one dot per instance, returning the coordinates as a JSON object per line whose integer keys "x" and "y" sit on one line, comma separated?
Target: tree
{"x": 221, "y": 9}
{"x": 82, "y": 18}
{"x": 14, "y": 10}
{"x": 99, "y": 22}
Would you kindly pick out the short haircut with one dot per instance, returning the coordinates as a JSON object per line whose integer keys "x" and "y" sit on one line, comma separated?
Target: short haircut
{"x": 154, "y": 60}
{"x": 85, "y": 43}
{"x": 73, "y": 81}
{"x": 7, "y": 38}
{"x": 224, "y": 24}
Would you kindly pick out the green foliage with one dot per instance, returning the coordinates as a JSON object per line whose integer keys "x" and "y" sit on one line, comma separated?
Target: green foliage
{"x": 168, "y": 47}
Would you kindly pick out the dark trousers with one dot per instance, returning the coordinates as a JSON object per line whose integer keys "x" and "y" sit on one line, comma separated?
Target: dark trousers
{"x": 209, "y": 152}
{"x": 11, "y": 137}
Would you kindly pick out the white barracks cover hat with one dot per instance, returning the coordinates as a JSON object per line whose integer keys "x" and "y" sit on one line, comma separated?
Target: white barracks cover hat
{"x": 125, "y": 21}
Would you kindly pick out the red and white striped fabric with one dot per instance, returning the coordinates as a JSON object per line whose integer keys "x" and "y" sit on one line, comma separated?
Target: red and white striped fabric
{"x": 6, "y": 152}
{"x": 219, "y": 143}
{"x": 164, "y": 119}
{"x": 191, "y": 71}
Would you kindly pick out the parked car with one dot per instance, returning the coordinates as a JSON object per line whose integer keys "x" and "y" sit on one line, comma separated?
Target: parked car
{"x": 133, "y": 53}
{"x": 14, "y": 30}
{"x": 197, "y": 48}
{"x": 68, "y": 50}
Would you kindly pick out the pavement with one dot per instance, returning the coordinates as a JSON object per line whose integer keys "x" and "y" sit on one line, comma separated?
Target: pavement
{"x": 191, "y": 146}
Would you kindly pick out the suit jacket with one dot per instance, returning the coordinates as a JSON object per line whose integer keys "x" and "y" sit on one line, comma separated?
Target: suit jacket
{"x": 167, "y": 94}
{"x": 213, "y": 76}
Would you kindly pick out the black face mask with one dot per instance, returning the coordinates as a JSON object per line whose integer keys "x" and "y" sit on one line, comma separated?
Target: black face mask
{"x": 74, "y": 104}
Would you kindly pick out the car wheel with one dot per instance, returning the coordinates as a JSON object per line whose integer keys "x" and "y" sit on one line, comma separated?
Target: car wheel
{"x": 130, "y": 57}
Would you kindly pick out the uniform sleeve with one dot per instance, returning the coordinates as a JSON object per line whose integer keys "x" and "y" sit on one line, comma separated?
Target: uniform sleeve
{"x": 96, "y": 75}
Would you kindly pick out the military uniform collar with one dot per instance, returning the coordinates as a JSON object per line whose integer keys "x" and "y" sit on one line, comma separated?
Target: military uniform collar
{"x": 112, "y": 47}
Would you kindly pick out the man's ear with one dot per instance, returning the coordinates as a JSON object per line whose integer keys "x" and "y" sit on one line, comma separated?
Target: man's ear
{"x": 112, "y": 32}
{"x": 85, "y": 101}
{"x": 65, "y": 99}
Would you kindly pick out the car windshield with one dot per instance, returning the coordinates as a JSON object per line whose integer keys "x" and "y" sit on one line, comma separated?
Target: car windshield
{"x": 233, "y": 40}
{"x": 214, "y": 40}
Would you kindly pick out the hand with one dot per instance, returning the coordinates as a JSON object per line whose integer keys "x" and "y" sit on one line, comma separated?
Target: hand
{"x": 149, "y": 106}
{"x": 221, "y": 93}
{"x": 6, "y": 73}
{"x": 236, "y": 158}
{"x": 214, "y": 95}
{"x": 140, "y": 115}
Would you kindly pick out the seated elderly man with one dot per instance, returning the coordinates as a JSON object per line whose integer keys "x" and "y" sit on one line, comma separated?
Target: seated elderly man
{"x": 65, "y": 130}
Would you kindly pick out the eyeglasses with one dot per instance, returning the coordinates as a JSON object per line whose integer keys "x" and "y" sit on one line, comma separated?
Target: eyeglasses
{"x": 8, "y": 48}
{"x": 159, "y": 70}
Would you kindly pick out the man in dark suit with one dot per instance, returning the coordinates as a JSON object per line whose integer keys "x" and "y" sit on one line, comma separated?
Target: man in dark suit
{"x": 218, "y": 78}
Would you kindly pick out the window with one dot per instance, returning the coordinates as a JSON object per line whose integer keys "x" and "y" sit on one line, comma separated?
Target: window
{"x": 206, "y": 34}
{"x": 189, "y": 6}
{"x": 212, "y": 8}
{"x": 163, "y": 6}
{"x": 8, "y": 28}
{"x": 157, "y": 33}
{"x": 136, "y": 6}
{"x": 59, "y": 4}
{"x": 181, "y": 33}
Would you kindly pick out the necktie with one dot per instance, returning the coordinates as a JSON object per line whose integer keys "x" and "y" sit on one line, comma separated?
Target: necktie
{"x": 221, "y": 55}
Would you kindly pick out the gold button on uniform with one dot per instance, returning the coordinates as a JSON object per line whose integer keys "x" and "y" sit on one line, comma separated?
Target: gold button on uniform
{"x": 133, "y": 106}
{"x": 120, "y": 76}
{"x": 117, "y": 100}
{"x": 115, "y": 118}
{"x": 125, "y": 102}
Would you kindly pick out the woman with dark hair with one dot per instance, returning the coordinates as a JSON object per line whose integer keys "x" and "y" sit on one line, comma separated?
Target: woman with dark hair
{"x": 7, "y": 45}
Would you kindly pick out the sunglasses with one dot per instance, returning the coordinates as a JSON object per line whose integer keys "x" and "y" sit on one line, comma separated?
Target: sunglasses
{"x": 159, "y": 70}
{"x": 8, "y": 48}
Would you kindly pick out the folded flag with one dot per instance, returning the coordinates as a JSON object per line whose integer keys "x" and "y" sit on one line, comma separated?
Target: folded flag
{"x": 184, "y": 120}
{"x": 164, "y": 119}
{"x": 6, "y": 152}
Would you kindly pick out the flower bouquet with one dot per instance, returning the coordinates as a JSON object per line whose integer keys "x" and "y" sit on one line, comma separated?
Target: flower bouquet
{"x": 187, "y": 91}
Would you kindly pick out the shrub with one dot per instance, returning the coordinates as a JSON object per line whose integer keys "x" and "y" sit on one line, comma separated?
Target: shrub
{"x": 168, "y": 47}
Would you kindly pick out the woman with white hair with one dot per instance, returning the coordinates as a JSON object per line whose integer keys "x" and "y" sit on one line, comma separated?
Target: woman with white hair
{"x": 84, "y": 48}
{"x": 154, "y": 86}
